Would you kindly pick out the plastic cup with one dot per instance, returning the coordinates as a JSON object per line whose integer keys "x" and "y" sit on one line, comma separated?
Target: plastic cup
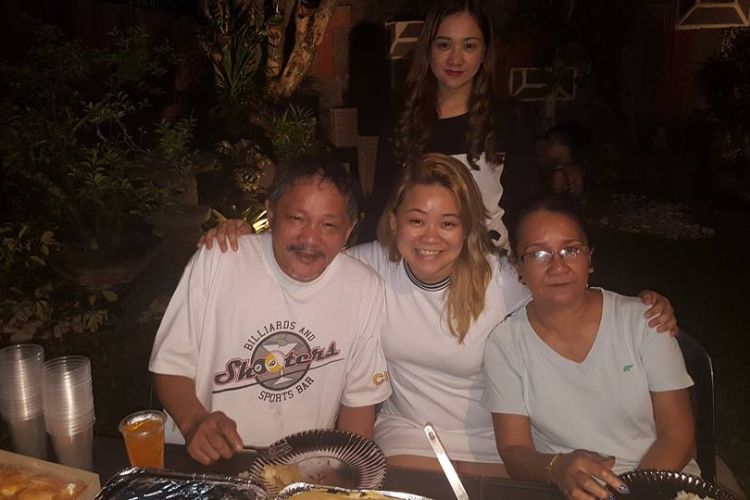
{"x": 75, "y": 450}
{"x": 143, "y": 432}
{"x": 68, "y": 395}
{"x": 29, "y": 437}
{"x": 21, "y": 382}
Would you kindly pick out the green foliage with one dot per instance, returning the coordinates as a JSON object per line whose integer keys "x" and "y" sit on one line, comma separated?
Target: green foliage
{"x": 69, "y": 146}
{"x": 259, "y": 129}
{"x": 174, "y": 141}
{"x": 136, "y": 62}
{"x": 292, "y": 132}
{"x": 20, "y": 249}
{"x": 725, "y": 83}
{"x": 233, "y": 41}
{"x": 247, "y": 163}
{"x": 34, "y": 303}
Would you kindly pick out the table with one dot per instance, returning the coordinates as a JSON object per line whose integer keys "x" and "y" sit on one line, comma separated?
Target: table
{"x": 110, "y": 457}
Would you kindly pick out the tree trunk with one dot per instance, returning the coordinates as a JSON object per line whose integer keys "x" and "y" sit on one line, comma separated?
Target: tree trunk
{"x": 310, "y": 26}
{"x": 276, "y": 36}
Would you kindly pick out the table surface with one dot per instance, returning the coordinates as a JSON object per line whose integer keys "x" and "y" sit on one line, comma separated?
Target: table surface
{"x": 110, "y": 457}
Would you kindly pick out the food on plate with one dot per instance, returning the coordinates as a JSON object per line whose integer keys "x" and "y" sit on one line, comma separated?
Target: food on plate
{"x": 326, "y": 495}
{"x": 18, "y": 483}
{"x": 684, "y": 495}
{"x": 280, "y": 475}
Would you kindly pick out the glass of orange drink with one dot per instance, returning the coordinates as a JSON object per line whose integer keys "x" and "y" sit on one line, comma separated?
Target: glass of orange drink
{"x": 144, "y": 438}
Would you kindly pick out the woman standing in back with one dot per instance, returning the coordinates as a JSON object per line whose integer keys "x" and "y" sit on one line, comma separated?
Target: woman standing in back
{"x": 449, "y": 108}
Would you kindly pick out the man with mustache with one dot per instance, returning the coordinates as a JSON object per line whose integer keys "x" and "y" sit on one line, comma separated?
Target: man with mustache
{"x": 281, "y": 336}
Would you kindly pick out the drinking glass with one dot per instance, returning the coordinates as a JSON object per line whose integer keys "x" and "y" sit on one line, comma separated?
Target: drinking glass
{"x": 143, "y": 432}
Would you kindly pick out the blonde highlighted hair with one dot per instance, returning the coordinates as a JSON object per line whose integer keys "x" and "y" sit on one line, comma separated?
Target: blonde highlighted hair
{"x": 465, "y": 296}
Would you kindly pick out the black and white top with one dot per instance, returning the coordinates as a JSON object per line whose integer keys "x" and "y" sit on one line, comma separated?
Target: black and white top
{"x": 505, "y": 186}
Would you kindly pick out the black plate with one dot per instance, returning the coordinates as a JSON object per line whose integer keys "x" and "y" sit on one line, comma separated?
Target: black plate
{"x": 664, "y": 485}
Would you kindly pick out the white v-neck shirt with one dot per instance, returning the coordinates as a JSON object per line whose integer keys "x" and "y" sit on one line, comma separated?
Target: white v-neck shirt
{"x": 602, "y": 404}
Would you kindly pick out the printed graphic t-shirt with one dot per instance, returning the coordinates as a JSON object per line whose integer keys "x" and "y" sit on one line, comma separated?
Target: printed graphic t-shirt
{"x": 276, "y": 355}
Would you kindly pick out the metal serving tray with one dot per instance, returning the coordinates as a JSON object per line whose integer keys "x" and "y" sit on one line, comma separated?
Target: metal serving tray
{"x": 141, "y": 484}
{"x": 296, "y": 488}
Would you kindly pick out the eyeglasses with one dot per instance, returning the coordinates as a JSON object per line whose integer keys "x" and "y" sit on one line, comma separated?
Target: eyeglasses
{"x": 544, "y": 257}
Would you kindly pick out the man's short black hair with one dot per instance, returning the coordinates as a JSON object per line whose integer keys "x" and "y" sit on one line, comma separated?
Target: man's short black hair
{"x": 324, "y": 168}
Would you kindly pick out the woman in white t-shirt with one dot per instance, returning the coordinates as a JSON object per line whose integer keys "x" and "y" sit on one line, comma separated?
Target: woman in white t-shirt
{"x": 447, "y": 287}
{"x": 580, "y": 388}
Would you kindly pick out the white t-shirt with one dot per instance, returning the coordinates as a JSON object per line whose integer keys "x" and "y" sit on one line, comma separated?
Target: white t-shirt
{"x": 434, "y": 378}
{"x": 602, "y": 404}
{"x": 276, "y": 355}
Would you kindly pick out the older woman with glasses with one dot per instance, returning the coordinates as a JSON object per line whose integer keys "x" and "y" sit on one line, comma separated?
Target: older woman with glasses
{"x": 580, "y": 387}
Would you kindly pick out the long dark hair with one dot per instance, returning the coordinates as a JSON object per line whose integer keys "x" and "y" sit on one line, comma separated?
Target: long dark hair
{"x": 420, "y": 107}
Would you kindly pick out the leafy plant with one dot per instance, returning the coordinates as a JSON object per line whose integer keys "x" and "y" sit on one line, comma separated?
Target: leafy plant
{"x": 292, "y": 132}
{"x": 69, "y": 141}
{"x": 20, "y": 249}
{"x": 233, "y": 42}
{"x": 725, "y": 82}
{"x": 35, "y": 303}
{"x": 136, "y": 61}
{"x": 245, "y": 43}
{"x": 247, "y": 162}
{"x": 173, "y": 143}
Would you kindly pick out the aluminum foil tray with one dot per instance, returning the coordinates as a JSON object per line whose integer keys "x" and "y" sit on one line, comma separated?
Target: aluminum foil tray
{"x": 294, "y": 490}
{"x": 141, "y": 484}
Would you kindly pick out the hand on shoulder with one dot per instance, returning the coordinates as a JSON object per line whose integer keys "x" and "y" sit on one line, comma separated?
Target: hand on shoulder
{"x": 661, "y": 314}
{"x": 226, "y": 234}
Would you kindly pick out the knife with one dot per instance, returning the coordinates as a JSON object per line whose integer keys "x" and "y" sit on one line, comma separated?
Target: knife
{"x": 445, "y": 463}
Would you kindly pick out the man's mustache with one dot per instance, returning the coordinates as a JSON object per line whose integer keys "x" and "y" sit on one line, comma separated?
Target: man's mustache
{"x": 307, "y": 249}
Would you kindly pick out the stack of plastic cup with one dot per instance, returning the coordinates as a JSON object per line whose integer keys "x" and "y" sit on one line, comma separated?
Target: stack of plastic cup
{"x": 21, "y": 398}
{"x": 69, "y": 410}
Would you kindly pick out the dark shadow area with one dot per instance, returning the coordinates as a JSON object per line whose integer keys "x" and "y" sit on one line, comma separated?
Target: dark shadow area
{"x": 368, "y": 76}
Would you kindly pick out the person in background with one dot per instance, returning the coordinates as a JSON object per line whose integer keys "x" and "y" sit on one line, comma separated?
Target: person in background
{"x": 450, "y": 108}
{"x": 447, "y": 287}
{"x": 562, "y": 151}
{"x": 580, "y": 387}
{"x": 281, "y": 336}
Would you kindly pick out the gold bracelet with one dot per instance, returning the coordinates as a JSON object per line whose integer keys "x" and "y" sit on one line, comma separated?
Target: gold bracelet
{"x": 548, "y": 469}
